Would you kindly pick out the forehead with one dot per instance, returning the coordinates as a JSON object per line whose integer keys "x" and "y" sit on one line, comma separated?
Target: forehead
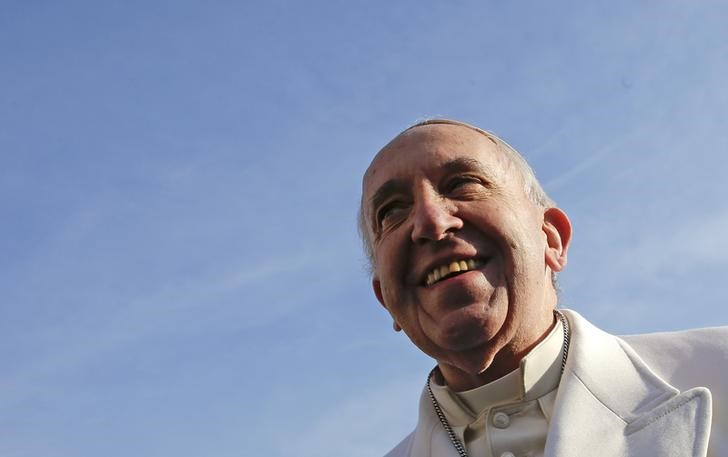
{"x": 426, "y": 149}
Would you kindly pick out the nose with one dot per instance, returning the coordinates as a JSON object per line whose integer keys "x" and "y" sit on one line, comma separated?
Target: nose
{"x": 434, "y": 218}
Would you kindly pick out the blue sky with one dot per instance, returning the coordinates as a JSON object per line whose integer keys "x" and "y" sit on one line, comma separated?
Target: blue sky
{"x": 179, "y": 267}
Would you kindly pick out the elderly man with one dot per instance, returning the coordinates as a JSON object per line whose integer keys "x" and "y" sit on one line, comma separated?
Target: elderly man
{"x": 464, "y": 246}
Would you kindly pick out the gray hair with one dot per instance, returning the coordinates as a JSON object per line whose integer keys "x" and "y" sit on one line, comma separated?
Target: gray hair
{"x": 531, "y": 186}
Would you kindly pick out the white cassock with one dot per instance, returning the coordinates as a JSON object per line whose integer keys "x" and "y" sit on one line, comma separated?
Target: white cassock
{"x": 653, "y": 395}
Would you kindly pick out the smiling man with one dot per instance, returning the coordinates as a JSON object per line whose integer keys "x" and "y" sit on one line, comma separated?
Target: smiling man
{"x": 464, "y": 246}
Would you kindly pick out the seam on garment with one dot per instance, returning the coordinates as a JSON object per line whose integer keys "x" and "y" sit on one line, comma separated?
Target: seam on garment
{"x": 655, "y": 418}
{"x": 541, "y": 401}
{"x": 597, "y": 398}
{"x": 666, "y": 394}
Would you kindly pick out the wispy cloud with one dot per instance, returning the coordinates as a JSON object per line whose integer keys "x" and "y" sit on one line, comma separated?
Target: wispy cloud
{"x": 367, "y": 423}
{"x": 151, "y": 314}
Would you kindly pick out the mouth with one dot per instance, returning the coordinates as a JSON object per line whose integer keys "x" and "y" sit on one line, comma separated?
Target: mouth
{"x": 451, "y": 269}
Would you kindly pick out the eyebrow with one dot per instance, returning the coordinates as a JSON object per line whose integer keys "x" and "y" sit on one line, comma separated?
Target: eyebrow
{"x": 464, "y": 164}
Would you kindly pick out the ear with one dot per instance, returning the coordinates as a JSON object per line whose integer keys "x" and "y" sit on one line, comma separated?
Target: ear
{"x": 557, "y": 227}
{"x": 377, "y": 286}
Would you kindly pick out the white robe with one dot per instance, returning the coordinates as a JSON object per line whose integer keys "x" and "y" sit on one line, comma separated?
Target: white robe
{"x": 654, "y": 395}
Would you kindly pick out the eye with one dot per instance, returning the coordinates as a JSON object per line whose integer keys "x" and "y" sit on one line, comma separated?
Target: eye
{"x": 462, "y": 182}
{"x": 390, "y": 212}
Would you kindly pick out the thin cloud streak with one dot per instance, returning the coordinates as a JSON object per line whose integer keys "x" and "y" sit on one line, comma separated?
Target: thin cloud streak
{"x": 364, "y": 424}
{"x": 146, "y": 315}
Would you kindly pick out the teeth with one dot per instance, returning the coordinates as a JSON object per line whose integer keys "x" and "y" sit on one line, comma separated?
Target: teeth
{"x": 444, "y": 271}
{"x": 441, "y": 272}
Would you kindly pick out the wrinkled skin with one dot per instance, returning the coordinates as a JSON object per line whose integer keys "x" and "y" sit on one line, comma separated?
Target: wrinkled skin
{"x": 439, "y": 193}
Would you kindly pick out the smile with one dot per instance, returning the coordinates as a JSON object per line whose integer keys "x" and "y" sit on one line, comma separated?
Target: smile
{"x": 452, "y": 269}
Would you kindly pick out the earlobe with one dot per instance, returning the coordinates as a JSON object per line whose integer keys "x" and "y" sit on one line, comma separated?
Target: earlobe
{"x": 557, "y": 227}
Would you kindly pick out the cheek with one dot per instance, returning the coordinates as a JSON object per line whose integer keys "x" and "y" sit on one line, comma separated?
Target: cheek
{"x": 388, "y": 288}
{"x": 387, "y": 295}
{"x": 494, "y": 271}
{"x": 390, "y": 259}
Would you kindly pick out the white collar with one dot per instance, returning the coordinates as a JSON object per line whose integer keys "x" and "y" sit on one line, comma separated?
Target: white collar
{"x": 538, "y": 374}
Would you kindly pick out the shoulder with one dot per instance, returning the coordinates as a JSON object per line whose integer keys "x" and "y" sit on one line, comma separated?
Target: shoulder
{"x": 685, "y": 345}
{"x": 686, "y": 358}
{"x": 403, "y": 448}
{"x": 710, "y": 336}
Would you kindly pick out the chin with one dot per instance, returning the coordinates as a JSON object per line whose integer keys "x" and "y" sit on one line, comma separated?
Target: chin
{"x": 474, "y": 351}
{"x": 468, "y": 330}
{"x": 465, "y": 340}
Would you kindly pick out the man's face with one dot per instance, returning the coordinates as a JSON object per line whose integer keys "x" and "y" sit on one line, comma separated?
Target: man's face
{"x": 443, "y": 195}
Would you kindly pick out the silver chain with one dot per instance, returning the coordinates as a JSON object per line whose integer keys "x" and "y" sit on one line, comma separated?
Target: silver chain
{"x": 443, "y": 420}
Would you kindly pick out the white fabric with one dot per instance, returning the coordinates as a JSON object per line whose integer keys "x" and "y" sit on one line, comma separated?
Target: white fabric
{"x": 507, "y": 415}
{"x": 644, "y": 395}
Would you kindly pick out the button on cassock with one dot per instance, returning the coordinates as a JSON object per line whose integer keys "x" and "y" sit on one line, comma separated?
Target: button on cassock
{"x": 501, "y": 420}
